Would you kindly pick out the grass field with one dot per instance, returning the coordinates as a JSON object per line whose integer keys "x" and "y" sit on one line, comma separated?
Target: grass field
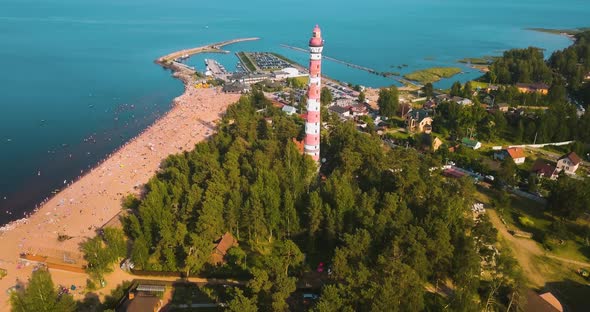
{"x": 432, "y": 74}
{"x": 486, "y": 60}
{"x": 571, "y": 289}
{"x": 303, "y": 79}
{"x": 572, "y": 247}
{"x": 246, "y": 61}
{"x": 557, "y": 276}
{"x": 479, "y": 84}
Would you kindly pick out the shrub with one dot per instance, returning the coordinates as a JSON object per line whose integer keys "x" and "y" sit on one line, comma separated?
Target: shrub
{"x": 525, "y": 221}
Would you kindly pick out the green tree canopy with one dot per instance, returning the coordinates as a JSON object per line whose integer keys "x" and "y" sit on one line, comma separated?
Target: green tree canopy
{"x": 326, "y": 96}
{"x": 41, "y": 295}
{"x": 428, "y": 90}
{"x": 388, "y": 101}
{"x": 362, "y": 97}
{"x": 456, "y": 89}
{"x": 521, "y": 65}
{"x": 569, "y": 198}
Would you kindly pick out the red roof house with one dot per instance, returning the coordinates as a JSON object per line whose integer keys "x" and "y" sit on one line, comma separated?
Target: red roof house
{"x": 226, "y": 242}
{"x": 569, "y": 163}
{"x": 545, "y": 169}
{"x": 516, "y": 153}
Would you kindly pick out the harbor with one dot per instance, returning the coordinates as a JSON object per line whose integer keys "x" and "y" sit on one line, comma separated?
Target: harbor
{"x": 216, "y": 70}
{"x": 212, "y": 48}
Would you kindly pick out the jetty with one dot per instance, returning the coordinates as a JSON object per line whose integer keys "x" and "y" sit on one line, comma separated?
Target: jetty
{"x": 211, "y": 48}
{"x": 367, "y": 69}
{"x": 355, "y": 66}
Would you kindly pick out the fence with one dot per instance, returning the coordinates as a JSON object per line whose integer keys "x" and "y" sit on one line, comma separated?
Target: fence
{"x": 543, "y": 145}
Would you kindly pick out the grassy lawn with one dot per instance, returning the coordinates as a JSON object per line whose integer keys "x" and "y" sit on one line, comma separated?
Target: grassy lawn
{"x": 432, "y": 74}
{"x": 189, "y": 293}
{"x": 246, "y": 61}
{"x": 486, "y": 60}
{"x": 530, "y": 216}
{"x": 559, "y": 277}
{"x": 571, "y": 289}
{"x": 479, "y": 84}
{"x": 304, "y": 80}
{"x": 489, "y": 145}
{"x": 399, "y": 135}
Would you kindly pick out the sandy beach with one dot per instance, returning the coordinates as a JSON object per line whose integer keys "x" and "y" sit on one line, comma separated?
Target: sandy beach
{"x": 95, "y": 198}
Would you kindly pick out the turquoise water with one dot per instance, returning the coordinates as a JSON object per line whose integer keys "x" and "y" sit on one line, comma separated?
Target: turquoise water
{"x": 72, "y": 70}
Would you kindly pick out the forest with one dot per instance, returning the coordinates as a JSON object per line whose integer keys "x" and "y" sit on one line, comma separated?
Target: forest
{"x": 556, "y": 124}
{"x": 565, "y": 68}
{"x": 557, "y": 119}
{"x": 385, "y": 225}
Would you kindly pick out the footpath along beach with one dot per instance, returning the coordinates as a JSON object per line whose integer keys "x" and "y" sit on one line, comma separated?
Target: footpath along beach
{"x": 95, "y": 199}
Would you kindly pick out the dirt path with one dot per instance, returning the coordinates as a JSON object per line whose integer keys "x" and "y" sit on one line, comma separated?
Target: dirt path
{"x": 525, "y": 250}
{"x": 565, "y": 260}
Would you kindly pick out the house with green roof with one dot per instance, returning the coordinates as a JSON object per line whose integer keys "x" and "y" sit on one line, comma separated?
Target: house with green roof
{"x": 473, "y": 144}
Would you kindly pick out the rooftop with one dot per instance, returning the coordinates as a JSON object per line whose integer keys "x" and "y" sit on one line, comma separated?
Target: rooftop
{"x": 143, "y": 304}
{"x": 515, "y": 152}
{"x": 418, "y": 114}
{"x": 573, "y": 157}
{"x": 533, "y": 86}
{"x": 299, "y": 145}
{"x": 469, "y": 142}
{"x": 226, "y": 242}
{"x": 339, "y": 109}
{"x": 316, "y": 37}
{"x": 151, "y": 288}
{"x": 543, "y": 167}
{"x": 289, "y": 109}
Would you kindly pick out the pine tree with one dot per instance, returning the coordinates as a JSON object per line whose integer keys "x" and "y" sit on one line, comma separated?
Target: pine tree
{"x": 41, "y": 295}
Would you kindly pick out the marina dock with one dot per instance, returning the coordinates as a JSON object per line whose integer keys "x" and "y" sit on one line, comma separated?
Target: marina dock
{"x": 217, "y": 70}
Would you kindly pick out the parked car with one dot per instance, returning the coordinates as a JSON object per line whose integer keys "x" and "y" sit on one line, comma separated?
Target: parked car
{"x": 309, "y": 298}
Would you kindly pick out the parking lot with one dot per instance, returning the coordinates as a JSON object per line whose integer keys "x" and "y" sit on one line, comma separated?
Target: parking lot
{"x": 267, "y": 61}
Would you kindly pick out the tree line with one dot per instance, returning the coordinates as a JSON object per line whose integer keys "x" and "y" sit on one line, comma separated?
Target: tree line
{"x": 382, "y": 221}
{"x": 385, "y": 225}
{"x": 565, "y": 68}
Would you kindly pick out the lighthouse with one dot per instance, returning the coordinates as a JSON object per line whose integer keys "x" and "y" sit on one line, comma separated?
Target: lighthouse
{"x": 312, "y": 124}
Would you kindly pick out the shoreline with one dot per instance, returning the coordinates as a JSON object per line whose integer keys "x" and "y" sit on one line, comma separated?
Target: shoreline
{"x": 568, "y": 33}
{"x": 92, "y": 200}
{"x": 163, "y": 61}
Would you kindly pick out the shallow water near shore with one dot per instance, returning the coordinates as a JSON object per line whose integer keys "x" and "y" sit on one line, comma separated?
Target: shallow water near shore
{"x": 78, "y": 78}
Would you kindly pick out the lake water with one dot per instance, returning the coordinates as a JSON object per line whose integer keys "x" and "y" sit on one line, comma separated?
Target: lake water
{"x": 77, "y": 78}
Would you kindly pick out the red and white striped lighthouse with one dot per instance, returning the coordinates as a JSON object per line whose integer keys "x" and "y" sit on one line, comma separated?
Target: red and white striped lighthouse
{"x": 312, "y": 124}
